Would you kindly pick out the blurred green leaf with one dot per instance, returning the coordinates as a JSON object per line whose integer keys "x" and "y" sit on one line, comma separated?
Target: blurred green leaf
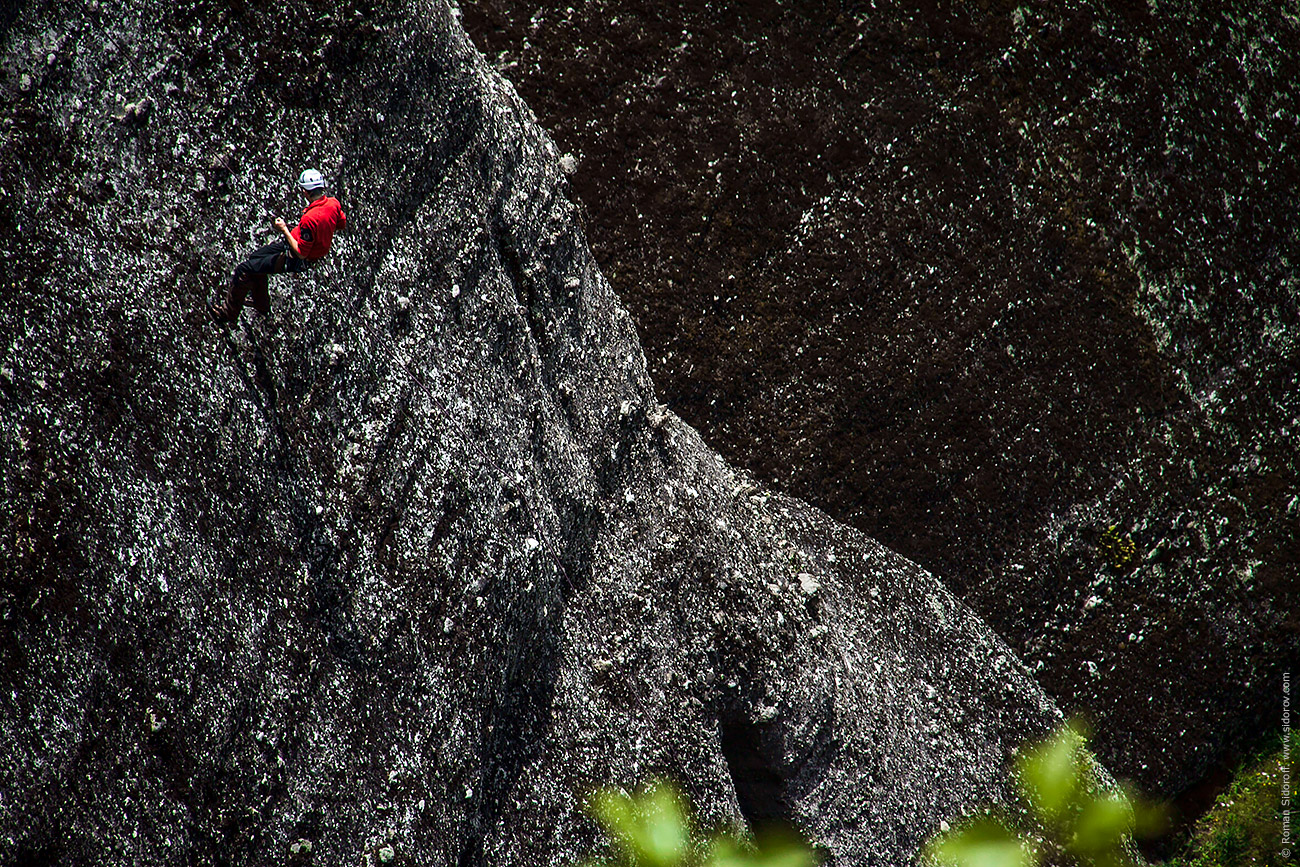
{"x": 614, "y": 811}
{"x": 653, "y": 828}
{"x": 983, "y": 843}
{"x": 1050, "y": 774}
{"x": 650, "y": 827}
{"x": 779, "y": 851}
{"x": 1074, "y": 816}
{"x": 726, "y": 851}
{"x": 1102, "y": 825}
{"x": 666, "y": 831}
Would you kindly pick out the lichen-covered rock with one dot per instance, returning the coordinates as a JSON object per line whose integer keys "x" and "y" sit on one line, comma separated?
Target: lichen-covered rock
{"x": 989, "y": 278}
{"x": 401, "y": 571}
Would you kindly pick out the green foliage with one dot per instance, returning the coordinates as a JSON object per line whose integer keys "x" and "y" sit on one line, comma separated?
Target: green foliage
{"x": 771, "y": 851}
{"x": 984, "y": 842}
{"x": 653, "y": 828}
{"x": 1244, "y": 827}
{"x": 1118, "y": 549}
{"x": 1065, "y": 817}
{"x": 1050, "y": 774}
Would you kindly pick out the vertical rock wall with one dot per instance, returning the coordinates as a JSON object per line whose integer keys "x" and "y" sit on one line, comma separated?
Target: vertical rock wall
{"x": 418, "y": 559}
{"x": 989, "y": 278}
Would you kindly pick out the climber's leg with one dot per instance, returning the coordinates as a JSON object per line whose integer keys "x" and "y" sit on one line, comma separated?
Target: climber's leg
{"x": 249, "y": 282}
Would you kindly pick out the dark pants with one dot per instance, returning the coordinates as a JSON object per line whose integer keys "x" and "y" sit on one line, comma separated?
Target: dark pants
{"x": 249, "y": 279}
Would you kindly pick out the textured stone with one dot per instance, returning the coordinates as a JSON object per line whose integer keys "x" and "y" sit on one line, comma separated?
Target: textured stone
{"x": 413, "y": 563}
{"x": 981, "y": 279}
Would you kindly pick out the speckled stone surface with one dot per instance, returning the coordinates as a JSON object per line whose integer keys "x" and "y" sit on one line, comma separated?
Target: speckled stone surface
{"x": 419, "y": 559}
{"x": 981, "y": 279}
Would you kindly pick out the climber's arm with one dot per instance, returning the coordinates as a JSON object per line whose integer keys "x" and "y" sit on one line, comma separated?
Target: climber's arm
{"x": 288, "y": 236}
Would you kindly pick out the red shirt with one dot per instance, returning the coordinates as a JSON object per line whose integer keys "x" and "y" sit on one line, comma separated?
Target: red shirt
{"x": 315, "y": 230}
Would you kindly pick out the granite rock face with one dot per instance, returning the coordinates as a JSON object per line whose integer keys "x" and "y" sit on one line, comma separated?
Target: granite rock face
{"x": 417, "y": 560}
{"x": 989, "y": 278}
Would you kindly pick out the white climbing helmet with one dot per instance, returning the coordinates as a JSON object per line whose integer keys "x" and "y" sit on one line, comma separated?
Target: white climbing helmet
{"x": 311, "y": 180}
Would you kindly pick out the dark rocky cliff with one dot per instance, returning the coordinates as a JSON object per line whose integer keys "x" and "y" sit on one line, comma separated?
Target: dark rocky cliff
{"x": 982, "y": 279}
{"x": 419, "y": 559}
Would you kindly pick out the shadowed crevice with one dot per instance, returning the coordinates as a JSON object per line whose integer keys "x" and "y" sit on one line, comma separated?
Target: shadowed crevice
{"x": 749, "y": 749}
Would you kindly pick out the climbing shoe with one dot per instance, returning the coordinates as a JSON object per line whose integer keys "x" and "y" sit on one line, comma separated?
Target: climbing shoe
{"x": 218, "y": 315}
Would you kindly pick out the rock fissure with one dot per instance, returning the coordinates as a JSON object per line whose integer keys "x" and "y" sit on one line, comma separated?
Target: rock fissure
{"x": 759, "y": 784}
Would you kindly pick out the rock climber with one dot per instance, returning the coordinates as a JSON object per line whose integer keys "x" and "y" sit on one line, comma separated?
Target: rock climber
{"x": 307, "y": 242}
